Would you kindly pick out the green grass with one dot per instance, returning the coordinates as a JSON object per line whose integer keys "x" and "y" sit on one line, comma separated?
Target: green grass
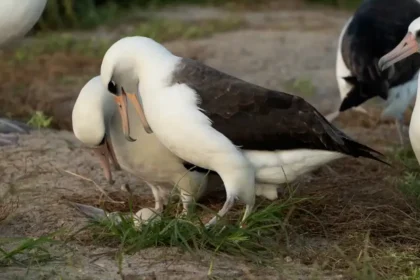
{"x": 166, "y": 30}
{"x": 261, "y": 240}
{"x": 87, "y": 14}
{"x": 302, "y": 87}
{"x": 39, "y": 120}
{"x": 407, "y": 157}
{"x": 25, "y": 251}
{"x": 161, "y": 30}
{"x": 413, "y": 275}
{"x": 409, "y": 183}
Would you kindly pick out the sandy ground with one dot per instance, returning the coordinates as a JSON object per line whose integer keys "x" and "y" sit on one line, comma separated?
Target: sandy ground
{"x": 277, "y": 47}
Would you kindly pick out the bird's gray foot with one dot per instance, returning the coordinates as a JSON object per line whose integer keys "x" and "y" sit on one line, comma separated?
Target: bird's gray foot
{"x": 10, "y": 126}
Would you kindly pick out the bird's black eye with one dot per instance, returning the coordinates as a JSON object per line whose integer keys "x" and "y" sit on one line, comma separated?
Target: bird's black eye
{"x": 112, "y": 87}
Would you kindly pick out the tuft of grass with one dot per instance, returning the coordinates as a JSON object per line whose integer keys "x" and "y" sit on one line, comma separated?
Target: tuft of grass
{"x": 413, "y": 275}
{"x": 25, "y": 251}
{"x": 39, "y": 120}
{"x": 303, "y": 87}
{"x": 410, "y": 185}
{"x": 407, "y": 157}
{"x": 259, "y": 241}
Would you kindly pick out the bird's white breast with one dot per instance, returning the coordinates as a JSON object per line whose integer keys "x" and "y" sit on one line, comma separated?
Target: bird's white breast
{"x": 180, "y": 125}
{"x": 147, "y": 157}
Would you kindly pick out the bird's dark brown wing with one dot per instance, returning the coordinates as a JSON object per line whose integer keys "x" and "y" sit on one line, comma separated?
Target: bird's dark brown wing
{"x": 255, "y": 118}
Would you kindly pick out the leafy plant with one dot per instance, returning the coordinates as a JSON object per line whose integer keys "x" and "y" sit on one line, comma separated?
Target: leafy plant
{"x": 39, "y": 120}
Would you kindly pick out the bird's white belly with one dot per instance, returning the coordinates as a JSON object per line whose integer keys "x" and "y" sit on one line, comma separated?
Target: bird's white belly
{"x": 145, "y": 158}
{"x": 279, "y": 167}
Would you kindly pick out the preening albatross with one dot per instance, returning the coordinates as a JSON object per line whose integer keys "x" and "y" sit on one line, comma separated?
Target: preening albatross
{"x": 375, "y": 29}
{"x": 209, "y": 118}
{"x": 16, "y": 19}
{"x": 97, "y": 124}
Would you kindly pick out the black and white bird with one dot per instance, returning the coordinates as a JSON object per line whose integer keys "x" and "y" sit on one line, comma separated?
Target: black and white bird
{"x": 244, "y": 132}
{"x": 16, "y": 19}
{"x": 97, "y": 124}
{"x": 409, "y": 46}
{"x": 375, "y": 29}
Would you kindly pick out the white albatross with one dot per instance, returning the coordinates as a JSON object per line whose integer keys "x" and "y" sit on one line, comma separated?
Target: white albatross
{"x": 209, "y": 119}
{"x": 408, "y": 46}
{"x": 97, "y": 124}
{"x": 16, "y": 19}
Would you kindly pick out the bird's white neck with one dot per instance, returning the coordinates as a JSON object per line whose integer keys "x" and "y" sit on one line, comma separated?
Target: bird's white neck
{"x": 157, "y": 72}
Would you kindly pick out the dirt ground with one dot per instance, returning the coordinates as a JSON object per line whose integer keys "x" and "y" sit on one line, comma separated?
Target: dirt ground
{"x": 276, "y": 47}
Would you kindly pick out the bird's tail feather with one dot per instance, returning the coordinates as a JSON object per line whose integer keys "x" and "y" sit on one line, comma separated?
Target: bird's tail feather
{"x": 359, "y": 150}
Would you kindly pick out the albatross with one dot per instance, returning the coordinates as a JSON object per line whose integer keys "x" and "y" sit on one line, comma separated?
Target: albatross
{"x": 375, "y": 29}
{"x": 16, "y": 19}
{"x": 209, "y": 118}
{"x": 97, "y": 124}
{"x": 410, "y": 45}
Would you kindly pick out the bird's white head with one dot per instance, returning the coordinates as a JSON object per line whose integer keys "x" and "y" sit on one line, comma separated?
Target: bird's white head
{"x": 407, "y": 47}
{"x": 126, "y": 63}
{"x": 91, "y": 114}
{"x": 92, "y": 111}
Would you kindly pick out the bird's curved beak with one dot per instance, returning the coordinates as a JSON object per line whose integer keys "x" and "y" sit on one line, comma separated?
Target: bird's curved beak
{"x": 121, "y": 101}
{"x": 136, "y": 103}
{"x": 405, "y": 48}
{"x": 105, "y": 153}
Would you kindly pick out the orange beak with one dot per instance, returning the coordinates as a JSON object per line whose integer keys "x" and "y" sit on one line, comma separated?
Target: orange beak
{"x": 405, "y": 48}
{"x": 121, "y": 101}
{"x": 136, "y": 103}
{"x": 105, "y": 154}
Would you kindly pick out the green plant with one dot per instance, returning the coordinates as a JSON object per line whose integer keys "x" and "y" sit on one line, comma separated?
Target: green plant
{"x": 304, "y": 87}
{"x": 407, "y": 157}
{"x": 259, "y": 241}
{"x": 25, "y": 251}
{"x": 413, "y": 275}
{"x": 39, "y": 120}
